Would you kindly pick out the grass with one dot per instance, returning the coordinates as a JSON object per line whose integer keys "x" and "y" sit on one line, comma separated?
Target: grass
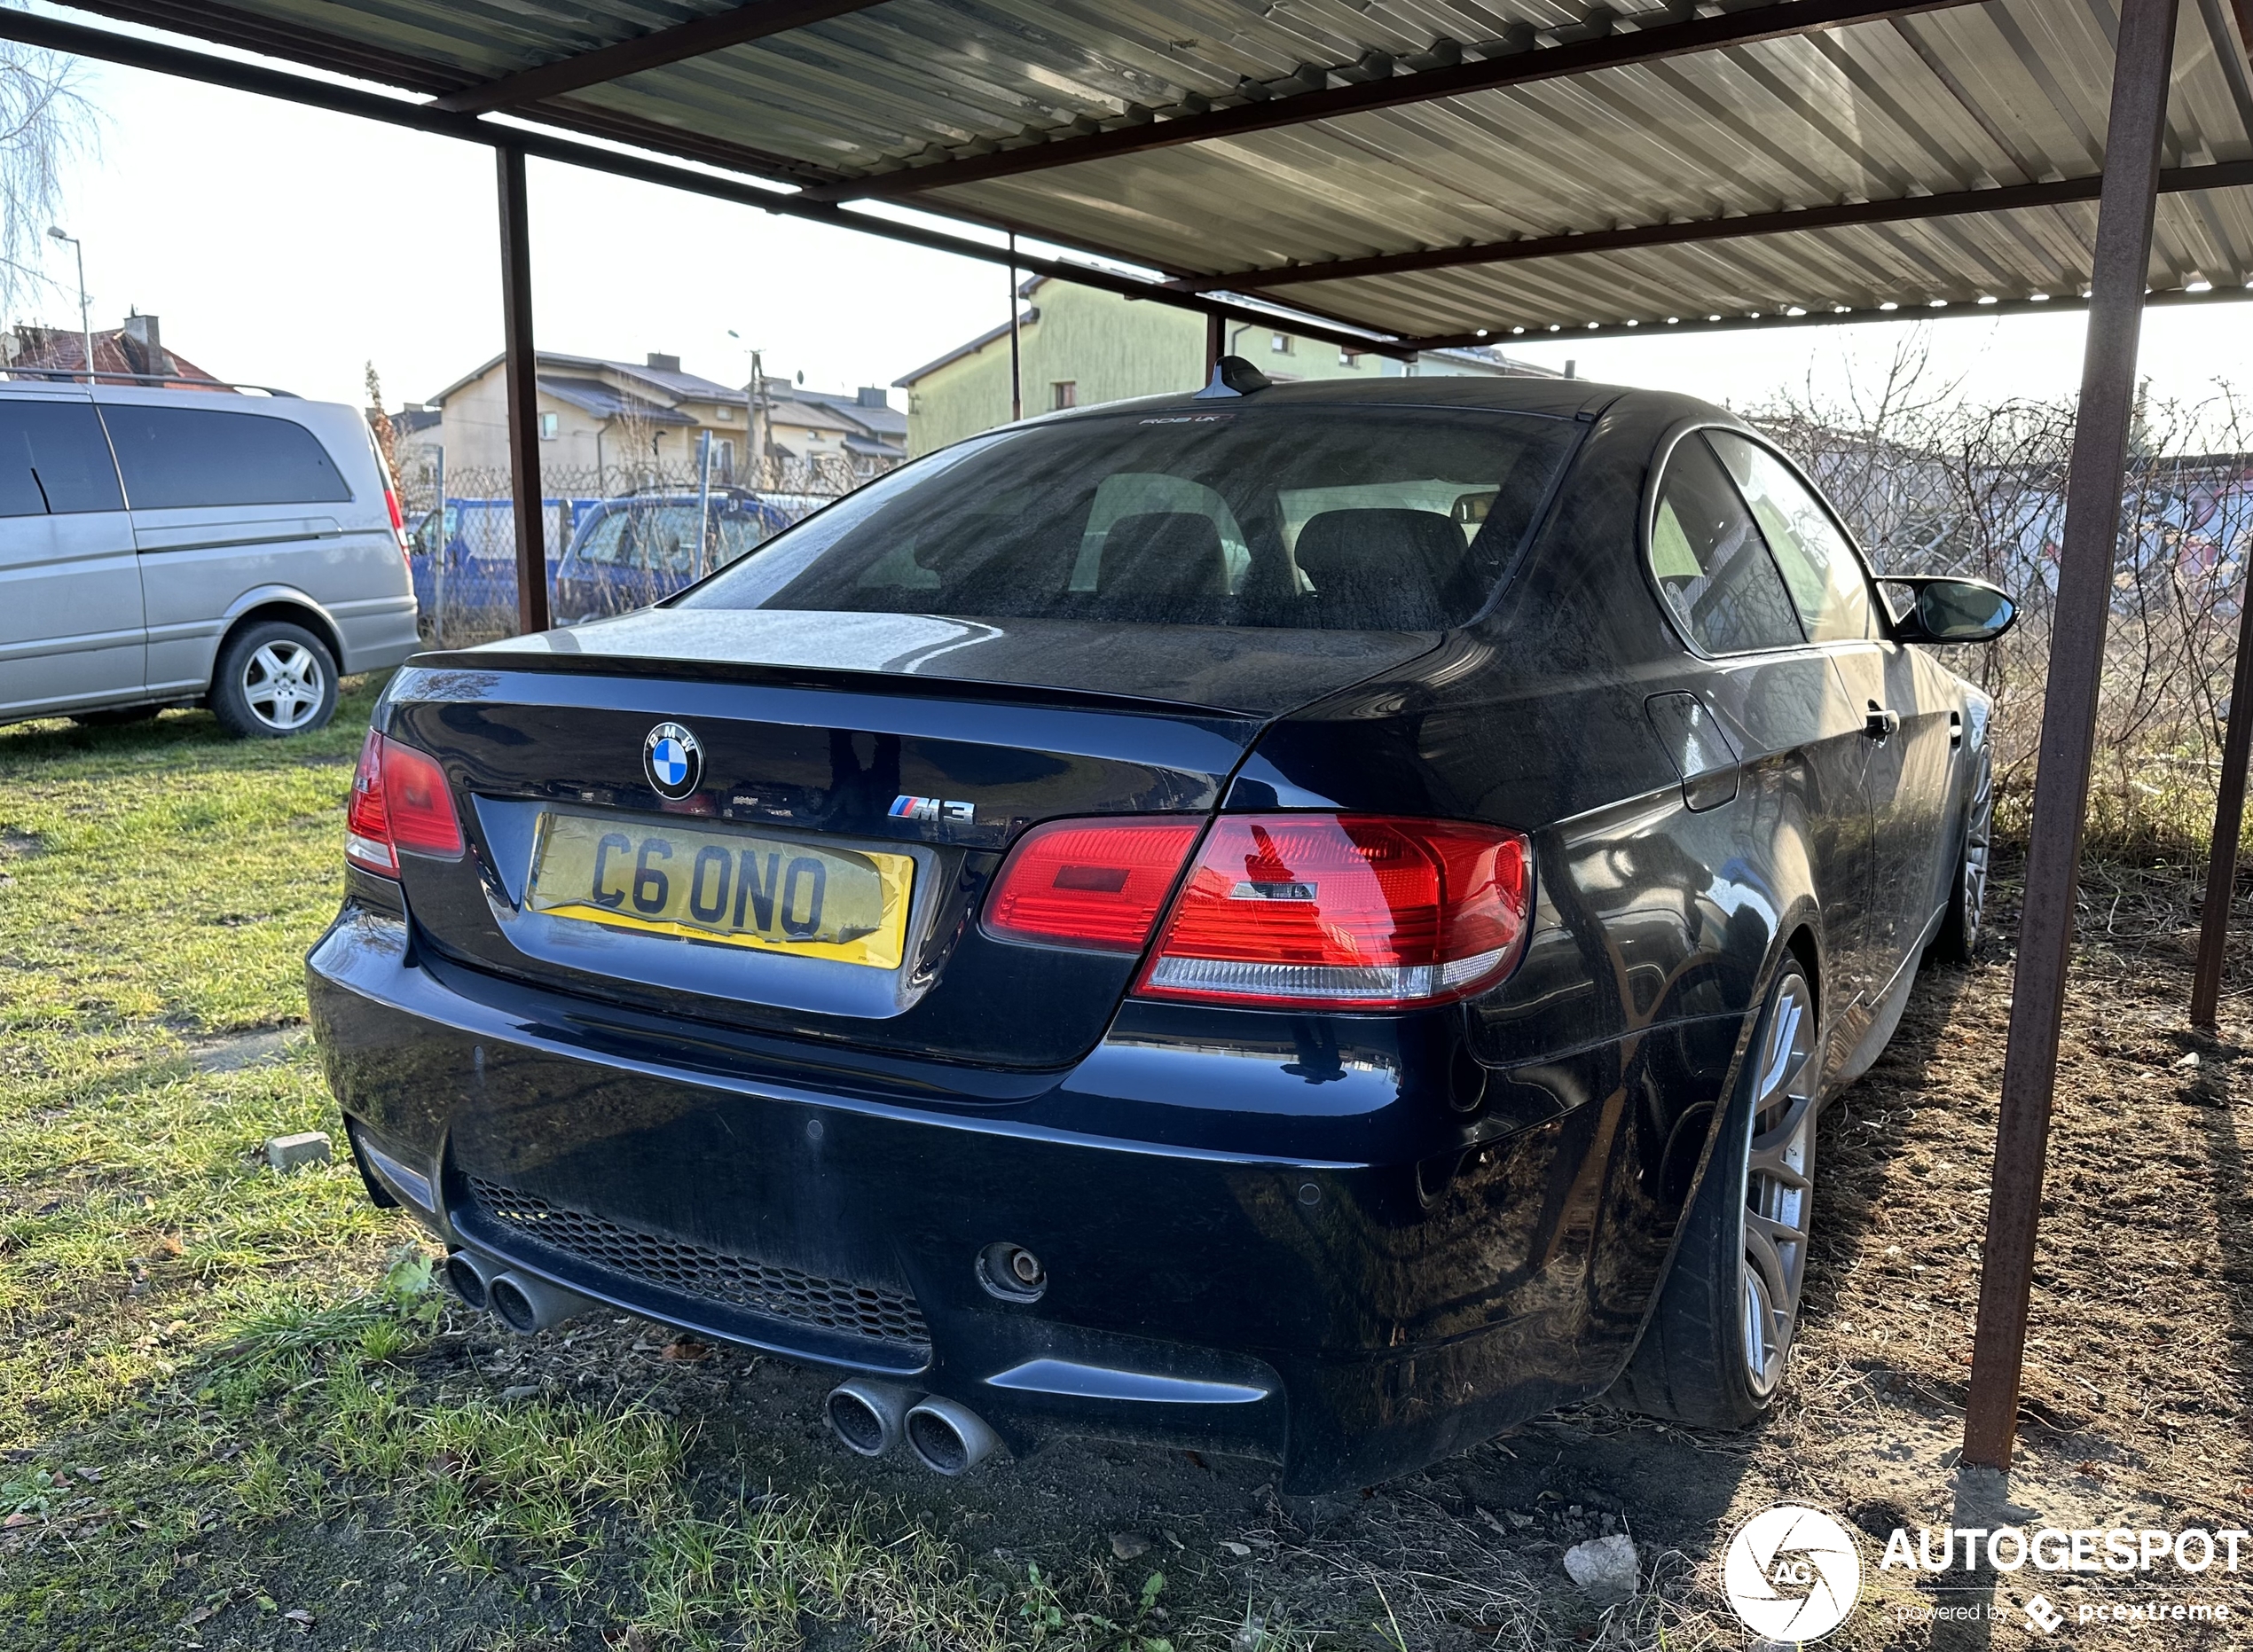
{"x": 233, "y": 1409}
{"x": 235, "y": 1413}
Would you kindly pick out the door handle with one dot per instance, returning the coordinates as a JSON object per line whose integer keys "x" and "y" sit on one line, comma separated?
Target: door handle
{"x": 1881, "y": 724}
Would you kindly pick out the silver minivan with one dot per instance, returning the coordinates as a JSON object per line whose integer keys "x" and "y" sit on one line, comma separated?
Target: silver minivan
{"x": 169, "y": 547}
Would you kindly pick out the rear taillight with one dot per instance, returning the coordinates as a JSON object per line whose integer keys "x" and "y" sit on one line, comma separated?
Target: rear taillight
{"x": 398, "y": 521}
{"x": 1098, "y": 884}
{"x": 1343, "y": 911}
{"x": 399, "y": 801}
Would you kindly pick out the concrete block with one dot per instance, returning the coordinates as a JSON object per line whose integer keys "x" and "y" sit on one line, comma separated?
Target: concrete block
{"x": 286, "y": 1152}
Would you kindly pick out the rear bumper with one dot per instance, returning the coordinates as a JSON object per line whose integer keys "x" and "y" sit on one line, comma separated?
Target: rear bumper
{"x": 1388, "y": 1280}
{"x": 376, "y": 633}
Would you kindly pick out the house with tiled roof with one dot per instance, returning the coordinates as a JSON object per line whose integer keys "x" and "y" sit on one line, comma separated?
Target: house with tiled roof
{"x": 616, "y": 424}
{"x": 613, "y": 422}
{"x": 131, "y": 353}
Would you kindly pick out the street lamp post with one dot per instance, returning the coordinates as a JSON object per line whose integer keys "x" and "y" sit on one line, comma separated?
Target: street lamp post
{"x": 754, "y": 393}
{"x": 86, "y": 323}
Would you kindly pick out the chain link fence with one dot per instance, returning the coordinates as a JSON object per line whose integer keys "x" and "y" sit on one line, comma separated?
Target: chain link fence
{"x": 614, "y": 542}
{"x": 1933, "y": 484}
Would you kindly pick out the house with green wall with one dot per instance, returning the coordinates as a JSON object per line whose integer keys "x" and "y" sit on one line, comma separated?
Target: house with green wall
{"x": 1078, "y": 346}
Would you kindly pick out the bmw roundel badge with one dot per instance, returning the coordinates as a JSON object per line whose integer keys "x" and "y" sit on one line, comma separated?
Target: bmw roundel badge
{"x": 673, "y": 760}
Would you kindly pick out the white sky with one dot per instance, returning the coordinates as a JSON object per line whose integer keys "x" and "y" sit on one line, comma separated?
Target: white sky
{"x": 281, "y": 245}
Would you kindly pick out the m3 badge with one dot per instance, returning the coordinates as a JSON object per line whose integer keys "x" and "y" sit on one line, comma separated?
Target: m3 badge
{"x": 955, "y": 813}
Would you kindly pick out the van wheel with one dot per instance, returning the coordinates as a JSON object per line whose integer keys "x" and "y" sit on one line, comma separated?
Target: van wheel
{"x": 1714, "y": 1352}
{"x": 274, "y": 679}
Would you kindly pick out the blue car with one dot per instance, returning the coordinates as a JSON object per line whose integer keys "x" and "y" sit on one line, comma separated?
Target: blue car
{"x": 465, "y": 559}
{"x": 1311, "y": 920}
{"x": 628, "y": 553}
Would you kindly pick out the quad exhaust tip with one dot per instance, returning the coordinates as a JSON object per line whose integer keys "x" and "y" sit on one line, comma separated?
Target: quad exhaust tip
{"x": 870, "y": 1417}
{"x": 523, "y": 1302}
{"x": 950, "y": 1439}
{"x": 470, "y": 1277}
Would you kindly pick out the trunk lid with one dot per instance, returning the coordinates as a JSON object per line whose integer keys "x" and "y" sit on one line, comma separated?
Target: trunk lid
{"x": 920, "y": 748}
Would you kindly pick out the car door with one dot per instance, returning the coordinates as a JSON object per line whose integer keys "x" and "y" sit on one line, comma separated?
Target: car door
{"x": 1782, "y": 699}
{"x": 224, "y": 501}
{"x": 1906, "y": 738}
{"x": 71, "y": 630}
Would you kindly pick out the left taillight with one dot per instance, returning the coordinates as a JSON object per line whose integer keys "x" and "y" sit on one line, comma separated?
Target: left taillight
{"x": 398, "y": 522}
{"x": 399, "y": 801}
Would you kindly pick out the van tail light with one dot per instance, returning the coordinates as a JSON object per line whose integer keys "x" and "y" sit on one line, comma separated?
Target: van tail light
{"x": 398, "y": 521}
{"x": 1343, "y": 911}
{"x": 1097, "y": 884}
{"x": 399, "y": 801}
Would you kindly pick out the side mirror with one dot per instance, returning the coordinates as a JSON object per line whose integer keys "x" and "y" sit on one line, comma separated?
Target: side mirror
{"x": 1947, "y": 610}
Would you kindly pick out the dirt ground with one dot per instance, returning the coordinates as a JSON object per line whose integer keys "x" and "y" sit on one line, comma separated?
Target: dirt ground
{"x": 2138, "y": 1398}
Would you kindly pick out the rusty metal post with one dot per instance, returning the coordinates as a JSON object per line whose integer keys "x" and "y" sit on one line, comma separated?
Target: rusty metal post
{"x": 1216, "y": 341}
{"x": 2143, "y": 60}
{"x": 2229, "y": 818}
{"x": 523, "y": 393}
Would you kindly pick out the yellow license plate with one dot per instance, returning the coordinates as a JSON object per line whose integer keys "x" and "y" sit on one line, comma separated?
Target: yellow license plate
{"x": 770, "y": 893}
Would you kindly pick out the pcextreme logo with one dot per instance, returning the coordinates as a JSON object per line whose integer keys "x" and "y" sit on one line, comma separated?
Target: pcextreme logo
{"x": 1792, "y": 1573}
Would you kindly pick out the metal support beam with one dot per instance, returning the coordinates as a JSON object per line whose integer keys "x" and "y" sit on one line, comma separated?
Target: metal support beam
{"x": 317, "y": 94}
{"x": 754, "y": 20}
{"x": 1216, "y": 344}
{"x": 1017, "y": 352}
{"x": 2229, "y": 797}
{"x": 1519, "y": 62}
{"x": 2229, "y": 820}
{"x": 523, "y": 393}
{"x": 2174, "y": 298}
{"x": 2143, "y": 57}
{"x": 1909, "y": 209}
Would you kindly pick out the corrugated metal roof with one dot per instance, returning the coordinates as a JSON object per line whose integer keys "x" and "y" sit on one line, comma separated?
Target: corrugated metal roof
{"x": 1951, "y": 100}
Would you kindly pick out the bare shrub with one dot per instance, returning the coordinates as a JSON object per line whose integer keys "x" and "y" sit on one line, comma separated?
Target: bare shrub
{"x": 1933, "y": 483}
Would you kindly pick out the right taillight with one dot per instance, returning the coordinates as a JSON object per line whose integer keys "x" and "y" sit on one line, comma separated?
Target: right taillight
{"x": 1343, "y": 911}
{"x": 399, "y": 801}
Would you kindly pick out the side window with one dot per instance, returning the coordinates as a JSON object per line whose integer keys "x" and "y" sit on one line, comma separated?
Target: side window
{"x": 54, "y": 460}
{"x": 1712, "y": 563}
{"x": 1825, "y": 578}
{"x": 184, "y": 456}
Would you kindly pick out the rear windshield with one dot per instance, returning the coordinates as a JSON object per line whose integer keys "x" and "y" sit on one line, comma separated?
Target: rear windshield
{"x": 1335, "y": 518}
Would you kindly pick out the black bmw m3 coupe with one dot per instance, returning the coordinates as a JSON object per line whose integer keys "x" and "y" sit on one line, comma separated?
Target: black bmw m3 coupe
{"x": 1304, "y": 920}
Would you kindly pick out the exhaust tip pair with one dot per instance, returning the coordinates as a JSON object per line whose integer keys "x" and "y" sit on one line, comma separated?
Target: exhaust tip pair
{"x": 872, "y": 1417}
{"x": 523, "y": 1302}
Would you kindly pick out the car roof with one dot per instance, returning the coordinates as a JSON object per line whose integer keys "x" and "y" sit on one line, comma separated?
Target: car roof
{"x": 1557, "y": 398}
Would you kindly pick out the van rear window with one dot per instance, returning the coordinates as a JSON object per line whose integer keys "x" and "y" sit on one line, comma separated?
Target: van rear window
{"x": 1338, "y": 518}
{"x": 173, "y": 456}
{"x": 54, "y": 461}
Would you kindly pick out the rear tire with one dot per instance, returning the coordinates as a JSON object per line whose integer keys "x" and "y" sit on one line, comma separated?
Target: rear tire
{"x": 1964, "y": 923}
{"x": 1716, "y": 1351}
{"x": 274, "y": 679}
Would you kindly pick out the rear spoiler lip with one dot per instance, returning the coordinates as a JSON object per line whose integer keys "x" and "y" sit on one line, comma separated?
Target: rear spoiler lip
{"x": 754, "y": 674}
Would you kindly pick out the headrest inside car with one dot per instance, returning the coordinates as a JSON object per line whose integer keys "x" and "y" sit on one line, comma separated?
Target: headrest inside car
{"x": 1382, "y": 569}
{"x": 1173, "y": 554}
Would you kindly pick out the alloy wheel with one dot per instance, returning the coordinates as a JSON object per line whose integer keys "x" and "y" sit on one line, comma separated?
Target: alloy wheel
{"x": 284, "y": 684}
{"x": 1779, "y": 1186}
{"x": 1979, "y": 821}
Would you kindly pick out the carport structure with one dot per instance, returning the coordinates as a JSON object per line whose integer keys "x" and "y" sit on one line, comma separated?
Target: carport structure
{"x": 1403, "y": 175}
